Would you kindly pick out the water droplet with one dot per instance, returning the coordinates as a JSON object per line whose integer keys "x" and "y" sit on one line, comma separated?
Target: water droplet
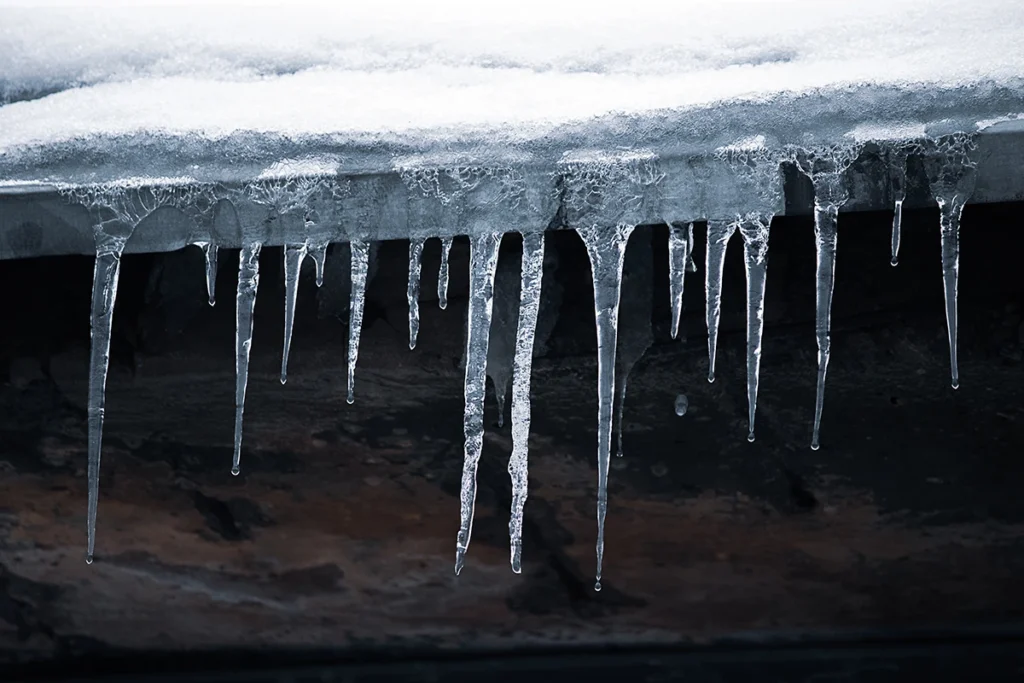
{"x": 681, "y": 405}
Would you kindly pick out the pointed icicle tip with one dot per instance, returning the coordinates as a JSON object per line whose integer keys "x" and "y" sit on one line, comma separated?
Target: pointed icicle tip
{"x": 88, "y": 559}
{"x": 711, "y": 377}
{"x": 955, "y": 383}
{"x": 460, "y": 560}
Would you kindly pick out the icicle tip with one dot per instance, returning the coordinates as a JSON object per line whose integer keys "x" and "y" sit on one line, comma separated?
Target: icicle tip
{"x": 235, "y": 470}
{"x": 88, "y": 558}
{"x": 750, "y": 436}
{"x": 597, "y": 586}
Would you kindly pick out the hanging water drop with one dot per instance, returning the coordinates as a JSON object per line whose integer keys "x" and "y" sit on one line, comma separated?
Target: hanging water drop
{"x": 294, "y": 255}
{"x": 483, "y": 263}
{"x": 245, "y": 302}
{"x": 529, "y": 305}
{"x": 719, "y": 233}
{"x": 681, "y": 405}
{"x": 442, "y": 273}
{"x": 606, "y": 248}
{"x": 359, "y": 258}
{"x": 413, "y": 291}
{"x": 754, "y": 231}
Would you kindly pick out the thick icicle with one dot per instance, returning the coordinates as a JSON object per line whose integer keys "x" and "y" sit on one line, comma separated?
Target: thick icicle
{"x": 679, "y": 247}
{"x": 210, "y": 255}
{"x": 483, "y": 263}
{"x": 606, "y": 247}
{"x": 318, "y": 252}
{"x": 294, "y": 255}
{"x": 413, "y": 291}
{"x": 826, "y": 220}
{"x": 104, "y": 294}
{"x": 359, "y": 264}
{"x": 529, "y": 306}
{"x": 754, "y": 230}
{"x": 719, "y": 233}
{"x": 245, "y": 302}
{"x": 898, "y": 182}
{"x": 442, "y": 273}
{"x": 951, "y": 176}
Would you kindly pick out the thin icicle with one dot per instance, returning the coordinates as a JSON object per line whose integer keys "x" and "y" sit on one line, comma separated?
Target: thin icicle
{"x": 294, "y": 255}
{"x": 245, "y": 302}
{"x": 413, "y": 291}
{"x": 691, "y": 265}
{"x": 719, "y": 233}
{"x": 755, "y": 257}
{"x": 318, "y": 252}
{"x": 679, "y": 259}
{"x": 104, "y": 294}
{"x": 359, "y": 260}
{"x": 483, "y": 263}
{"x": 606, "y": 247}
{"x": 529, "y": 305}
{"x": 898, "y": 182}
{"x": 826, "y": 220}
{"x": 210, "y": 256}
{"x": 950, "y": 210}
{"x": 442, "y": 273}
{"x": 620, "y": 407}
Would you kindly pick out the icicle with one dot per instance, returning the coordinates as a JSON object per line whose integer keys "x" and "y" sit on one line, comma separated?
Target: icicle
{"x": 755, "y": 256}
{"x": 826, "y": 219}
{"x": 898, "y": 182}
{"x": 529, "y": 305}
{"x": 359, "y": 264}
{"x": 680, "y": 245}
{"x": 620, "y": 408}
{"x": 634, "y": 330}
{"x": 442, "y": 273}
{"x": 719, "y": 233}
{"x": 483, "y": 263}
{"x": 413, "y": 291}
{"x": 210, "y": 255}
{"x": 318, "y": 252}
{"x": 606, "y": 247}
{"x": 245, "y": 302}
{"x": 951, "y": 176}
{"x": 691, "y": 265}
{"x": 294, "y": 255}
{"x": 104, "y": 294}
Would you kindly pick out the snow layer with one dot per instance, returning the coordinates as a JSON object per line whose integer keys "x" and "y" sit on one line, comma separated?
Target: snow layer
{"x": 426, "y": 71}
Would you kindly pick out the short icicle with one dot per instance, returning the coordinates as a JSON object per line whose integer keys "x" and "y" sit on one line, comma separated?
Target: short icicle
{"x": 442, "y": 273}
{"x": 104, "y": 294}
{"x": 359, "y": 265}
{"x": 826, "y": 221}
{"x": 719, "y": 233}
{"x": 679, "y": 247}
{"x": 529, "y": 305}
{"x": 318, "y": 252}
{"x": 483, "y": 263}
{"x": 210, "y": 256}
{"x": 606, "y": 247}
{"x": 294, "y": 255}
{"x": 898, "y": 182}
{"x": 754, "y": 230}
{"x": 245, "y": 302}
{"x": 413, "y": 291}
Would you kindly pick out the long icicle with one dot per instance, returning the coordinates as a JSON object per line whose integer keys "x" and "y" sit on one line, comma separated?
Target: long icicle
{"x": 679, "y": 248}
{"x": 442, "y": 273}
{"x": 606, "y": 247}
{"x": 826, "y": 220}
{"x": 104, "y": 294}
{"x": 359, "y": 260}
{"x": 755, "y": 258}
{"x": 719, "y": 233}
{"x": 245, "y": 302}
{"x": 529, "y": 305}
{"x": 413, "y": 291}
{"x": 950, "y": 210}
{"x": 294, "y": 255}
{"x": 483, "y": 263}
{"x": 210, "y": 256}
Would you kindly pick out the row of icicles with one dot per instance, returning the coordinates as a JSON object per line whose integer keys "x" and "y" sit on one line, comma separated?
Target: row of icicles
{"x": 606, "y": 247}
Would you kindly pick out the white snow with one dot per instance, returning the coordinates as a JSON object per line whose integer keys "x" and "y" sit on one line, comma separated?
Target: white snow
{"x": 442, "y": 67}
